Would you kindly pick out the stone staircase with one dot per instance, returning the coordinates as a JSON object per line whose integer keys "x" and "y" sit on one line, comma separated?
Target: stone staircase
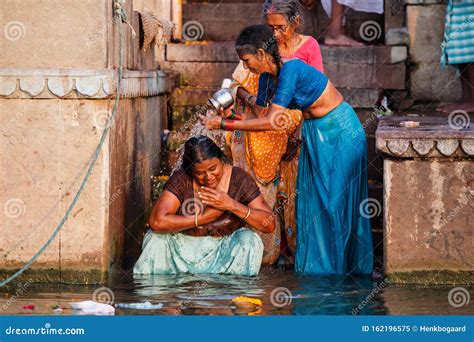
{"x": 362, "y": 74}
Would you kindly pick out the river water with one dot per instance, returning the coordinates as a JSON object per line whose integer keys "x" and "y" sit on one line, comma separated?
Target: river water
{"x": 281, "y": 291}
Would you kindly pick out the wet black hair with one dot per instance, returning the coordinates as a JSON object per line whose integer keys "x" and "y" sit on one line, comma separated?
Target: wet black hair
{"x": 290, "y": 9}
{"x": 257, "y": 37}
{"x": 198, "y": 149}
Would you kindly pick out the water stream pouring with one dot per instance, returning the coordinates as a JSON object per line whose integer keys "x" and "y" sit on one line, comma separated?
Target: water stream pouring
{"x": 222, "y": 99}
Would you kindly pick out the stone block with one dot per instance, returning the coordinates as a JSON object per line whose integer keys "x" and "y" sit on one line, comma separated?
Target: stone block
{"x": 45, "y": 145}
{"x": 428, "y": 215}
{"x": 361, "y": 98}
{"x": 429, "y": 81}
{"x": 221, "y": 21}
{"x": 397, "y": 36}
{"x": 189, "y": 96}
{"x": 363, "y": 55}
{"x": 201, "y": 74}
{"x": 426, "y": 30}
{"x": 67, "y": 34}
{"x": 386, "y": 76}
{"x": 211, "y": 11}
{"x": 202, "y": 52}
{"x": 394, "y": 13}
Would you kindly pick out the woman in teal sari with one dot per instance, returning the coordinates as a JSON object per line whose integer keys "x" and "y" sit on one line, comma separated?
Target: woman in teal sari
{"x": 333, "y": 236}
{"x": 206, "y": 217}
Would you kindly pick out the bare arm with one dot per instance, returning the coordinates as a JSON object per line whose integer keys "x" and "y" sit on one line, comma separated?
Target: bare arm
{"x": 244, "y": 96}
{"x": 163, "y": 218}
{"x": 275, "y": 120}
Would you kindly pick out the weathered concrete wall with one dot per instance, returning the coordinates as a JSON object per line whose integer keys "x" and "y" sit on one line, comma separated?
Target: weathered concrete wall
{"x": 57, "y": 89}
{"x": 429, "y": 219}
{"x": 428, "y": 199}
{"x": 55, "y": 33}
{"x": 135, "y": 149}
{"x": 45, "y": 145}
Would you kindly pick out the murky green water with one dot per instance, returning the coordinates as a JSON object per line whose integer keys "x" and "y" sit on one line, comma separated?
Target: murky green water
{"x": 281, "y": 291}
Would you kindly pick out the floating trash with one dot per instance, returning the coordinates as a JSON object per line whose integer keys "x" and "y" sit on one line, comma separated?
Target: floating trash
{"x": 91, "y": 307}
{"x": 139, "y": 306}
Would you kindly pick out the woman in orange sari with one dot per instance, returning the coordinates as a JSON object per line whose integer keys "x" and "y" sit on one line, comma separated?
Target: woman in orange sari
{"x": 265, "y": 154}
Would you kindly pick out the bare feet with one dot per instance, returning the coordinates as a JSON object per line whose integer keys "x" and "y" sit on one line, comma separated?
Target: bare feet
{"x": 465, "y": 106}
{"x": 341, "y": 40}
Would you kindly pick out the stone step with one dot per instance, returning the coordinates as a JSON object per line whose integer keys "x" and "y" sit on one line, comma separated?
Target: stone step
{"x": 205, "y": 74}
{"x": 385, "y": 76}
{"x": 225, "y": 52}
{"x": 202, "y": 52}
{"x": 370, "y": 67}
{"x": 184, "y": 97}
{"x": 220, "y": 21}
{"x": 223, "y": 20}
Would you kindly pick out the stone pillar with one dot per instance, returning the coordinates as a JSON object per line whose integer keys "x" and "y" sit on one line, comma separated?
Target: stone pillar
{"x": 428, "y": 199}
{"x": 57, "y": 88}
{"x": 428, "y": 80}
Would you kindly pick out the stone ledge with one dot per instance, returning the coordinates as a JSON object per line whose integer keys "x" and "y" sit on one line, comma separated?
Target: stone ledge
{"x": 434, "y": 138}
{"x": 79, "y": 83}
{"x": 54, "y": 275}
{"x": 202, "y": 52}
{"x": 225, "y": 52}
{"x": 438, "y": 277}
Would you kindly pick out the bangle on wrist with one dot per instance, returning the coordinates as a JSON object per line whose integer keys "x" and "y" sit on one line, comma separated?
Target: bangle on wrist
{"x": 248, "y": 214}
{"x": 227, "y": 125}
{"x": 196, "y": 224}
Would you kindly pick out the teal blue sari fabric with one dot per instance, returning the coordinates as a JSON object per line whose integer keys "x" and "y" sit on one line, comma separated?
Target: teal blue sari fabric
{"x": 333, "y": 235}
{"x": 239, "y": 253}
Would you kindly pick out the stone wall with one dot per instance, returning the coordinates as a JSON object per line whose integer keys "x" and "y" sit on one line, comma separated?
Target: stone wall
{"x": 429, "y": 81}
{"x": 428, "y": 193}
{"x": 58, "y": 73}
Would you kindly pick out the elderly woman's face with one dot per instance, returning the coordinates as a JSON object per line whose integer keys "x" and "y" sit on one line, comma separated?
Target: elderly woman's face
{"x": 258, "y": 63}
{"x": 282, "y": 29}
{"x": 208, "y": 173}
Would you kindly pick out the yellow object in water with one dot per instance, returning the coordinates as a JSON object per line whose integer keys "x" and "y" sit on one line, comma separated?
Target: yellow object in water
{"x": 244, "y": 301}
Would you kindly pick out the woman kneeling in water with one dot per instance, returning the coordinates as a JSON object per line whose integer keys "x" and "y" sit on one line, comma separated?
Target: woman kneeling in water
{"x": 204, "y": 220}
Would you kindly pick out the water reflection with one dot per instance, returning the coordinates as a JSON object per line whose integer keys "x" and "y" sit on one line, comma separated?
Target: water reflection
{"x": 282, "y": 292}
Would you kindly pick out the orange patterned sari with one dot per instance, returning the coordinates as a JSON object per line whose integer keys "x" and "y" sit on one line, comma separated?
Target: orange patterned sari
{"x": 259, "y": 153}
